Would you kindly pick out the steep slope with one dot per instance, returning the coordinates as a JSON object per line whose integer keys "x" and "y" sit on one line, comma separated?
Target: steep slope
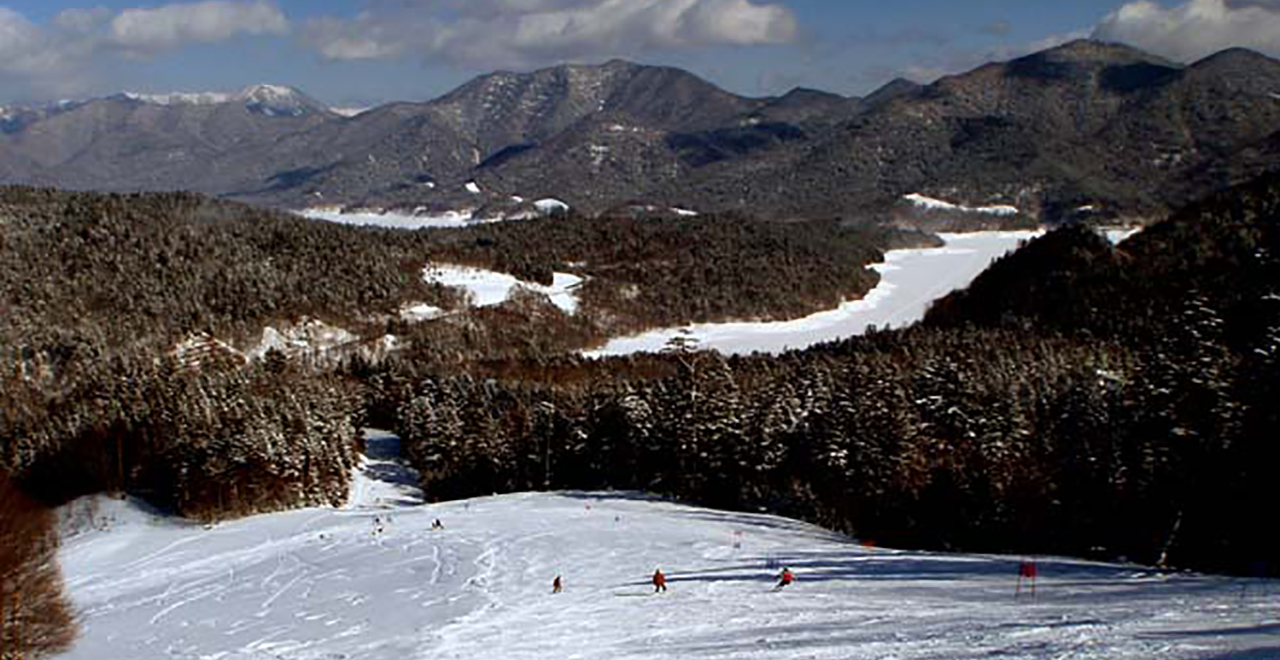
{"x": 505, "y": 109}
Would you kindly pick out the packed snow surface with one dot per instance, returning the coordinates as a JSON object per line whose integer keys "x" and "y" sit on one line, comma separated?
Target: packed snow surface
{"x": 374, "y": 581}
{"x": 487, "y": 287}
{"x": 909, "y": 281}
{"x": 940, "y": 205}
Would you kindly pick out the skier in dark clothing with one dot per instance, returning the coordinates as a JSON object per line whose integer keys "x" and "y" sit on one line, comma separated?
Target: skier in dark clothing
{"x": 556, "y": 585}
{"x": 659, "y": 581}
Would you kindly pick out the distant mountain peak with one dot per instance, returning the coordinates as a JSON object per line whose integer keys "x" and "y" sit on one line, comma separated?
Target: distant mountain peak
{"x": 262, "y": 98}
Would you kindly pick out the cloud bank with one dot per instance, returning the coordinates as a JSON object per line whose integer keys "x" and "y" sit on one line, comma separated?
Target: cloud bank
{"x": 512, "y": 33}
{"x": 1198, "y": 28}
{"x": 172, "y": 26}
{"x": 58, "y": 57}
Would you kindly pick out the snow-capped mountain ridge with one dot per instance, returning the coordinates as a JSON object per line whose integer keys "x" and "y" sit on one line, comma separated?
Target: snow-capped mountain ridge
{"x": 266, "y": 98}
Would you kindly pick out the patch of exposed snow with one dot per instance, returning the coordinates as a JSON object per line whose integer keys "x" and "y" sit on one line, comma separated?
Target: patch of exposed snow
{"x": 1275, "y": 95}
{"x": 311, "y": 338}
{"x": 415, "y": 312}
{"x": 910, "y": 281}
{"x": 202, "y": 347}
{"x": 486, "y": 287}
{"x": 447, "y": 220}
{"x": 1119, "y": 234}
{"x": 550, "y": 205}
{"x": 684, "y": 213}
{"x": 349, "y": 112}
{"x": 473, "y": 187}
{"x": 517, "y": 199}
{"x": 932, "y": 204}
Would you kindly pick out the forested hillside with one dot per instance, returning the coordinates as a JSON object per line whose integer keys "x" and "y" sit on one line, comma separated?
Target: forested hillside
{"x": 1080, "y": 398}
{"x": 1122, "y": 406}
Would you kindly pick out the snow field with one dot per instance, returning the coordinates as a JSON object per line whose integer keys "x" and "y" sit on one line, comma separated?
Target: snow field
{"x": 450, "y": 220}
{"x": 910, "y": 280}
{"x": 373, "y": 581}
{"x": 932, "y": 204}
{"x": 487, "y": 287}
{"x": 320, "y": 584}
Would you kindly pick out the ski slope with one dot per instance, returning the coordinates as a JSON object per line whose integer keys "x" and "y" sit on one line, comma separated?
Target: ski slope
{"x": 326, "y": 584}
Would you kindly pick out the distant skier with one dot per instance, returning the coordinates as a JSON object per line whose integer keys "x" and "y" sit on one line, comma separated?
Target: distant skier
{"x": 786, "y": 578}
{"x": 436, "y": 524}
{"x": 556, "y": 585}
{"x": 659, "y": 581}
{"x": 1028, "y": 571}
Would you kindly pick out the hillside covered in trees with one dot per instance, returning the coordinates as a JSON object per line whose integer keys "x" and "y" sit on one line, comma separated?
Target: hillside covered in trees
{"x": 1079, "y": 398}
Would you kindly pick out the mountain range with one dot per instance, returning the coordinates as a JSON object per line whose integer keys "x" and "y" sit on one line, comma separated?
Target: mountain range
{"x": 1083, "y": 129}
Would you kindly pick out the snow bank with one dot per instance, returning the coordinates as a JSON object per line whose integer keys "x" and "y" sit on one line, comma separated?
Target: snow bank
{"x": 910, "y": 280}
{"x": 487, "y": 287}
{"x": 473, "y": 187}
{"x": 940, "y": 205}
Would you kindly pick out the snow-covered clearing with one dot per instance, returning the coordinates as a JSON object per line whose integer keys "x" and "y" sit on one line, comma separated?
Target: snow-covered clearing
{"x": 326, "y": 584}
{"x": 932, "y": 204}
{"x": 487, "y": 287}
{"x": 449, "y": 220}
{"x": 909, "y": 281}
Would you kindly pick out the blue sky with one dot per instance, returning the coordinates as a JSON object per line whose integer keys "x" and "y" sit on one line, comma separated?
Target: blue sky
{"x": 362, "y": 52}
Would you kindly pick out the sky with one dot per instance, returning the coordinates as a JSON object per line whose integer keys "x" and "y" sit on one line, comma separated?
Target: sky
{"x": 357, "y": 53}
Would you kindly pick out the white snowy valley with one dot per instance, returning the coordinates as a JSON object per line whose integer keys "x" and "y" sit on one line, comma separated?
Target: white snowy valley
{"x": 374, "y": 581}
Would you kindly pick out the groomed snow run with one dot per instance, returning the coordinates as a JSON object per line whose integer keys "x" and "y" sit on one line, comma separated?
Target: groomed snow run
{"x": 487, "y": 287}
{"x": 940, "y": 205}
{"x": 909, "y": 281}
{"x": 375, "y": 582}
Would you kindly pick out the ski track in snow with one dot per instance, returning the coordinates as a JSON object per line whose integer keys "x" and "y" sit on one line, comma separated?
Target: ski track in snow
{"x": 324, "y": 584}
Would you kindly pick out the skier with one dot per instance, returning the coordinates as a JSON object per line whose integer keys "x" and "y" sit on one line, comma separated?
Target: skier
{"x": 556, "y": 585}
{"x": 785, "y": 578}
{"x": 659, "y": 581}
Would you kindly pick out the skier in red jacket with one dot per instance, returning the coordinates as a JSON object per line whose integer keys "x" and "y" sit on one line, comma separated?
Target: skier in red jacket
{"x": 785, "y": 579}
{"x": 659, "y": 581}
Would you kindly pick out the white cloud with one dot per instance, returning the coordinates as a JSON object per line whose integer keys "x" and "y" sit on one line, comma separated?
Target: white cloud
{"x": 497, "y": 33}
{"x": 1196, "y": 28}
{"x": 176, "y": 25}
{"x": 63, "y": 57}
